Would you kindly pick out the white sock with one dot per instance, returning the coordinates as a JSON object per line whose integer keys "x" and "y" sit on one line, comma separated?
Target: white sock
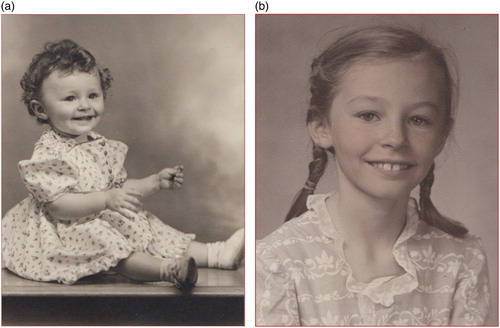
{"x": 227, "y": 254}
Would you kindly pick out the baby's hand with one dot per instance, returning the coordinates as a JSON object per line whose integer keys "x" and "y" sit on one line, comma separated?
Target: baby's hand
{"x": 171, "y": 178}
{"x": 124, "y": 201}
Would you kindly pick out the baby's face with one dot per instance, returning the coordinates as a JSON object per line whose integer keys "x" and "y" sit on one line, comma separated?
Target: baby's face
{"x": 72, "y": 103}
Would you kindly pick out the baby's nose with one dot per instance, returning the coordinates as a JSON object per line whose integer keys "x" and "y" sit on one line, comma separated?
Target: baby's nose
{"x": 83, "y": 105}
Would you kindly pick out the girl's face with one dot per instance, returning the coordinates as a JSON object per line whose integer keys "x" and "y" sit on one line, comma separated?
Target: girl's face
{"x": 72, "y": 103}
{"x": 386, "y": 126}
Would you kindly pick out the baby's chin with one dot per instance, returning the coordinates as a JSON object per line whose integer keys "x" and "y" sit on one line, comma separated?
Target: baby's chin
{"x": 79, "y": 136}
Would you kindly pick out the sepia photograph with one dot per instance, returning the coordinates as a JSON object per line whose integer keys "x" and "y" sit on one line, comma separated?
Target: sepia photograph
{"x": 376, "y": 170}
{"x": 123, "y": 170}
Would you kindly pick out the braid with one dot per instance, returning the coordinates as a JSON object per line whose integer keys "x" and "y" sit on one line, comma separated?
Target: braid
{"x": 316, "y": 169}
{"x": 430, "y": 214}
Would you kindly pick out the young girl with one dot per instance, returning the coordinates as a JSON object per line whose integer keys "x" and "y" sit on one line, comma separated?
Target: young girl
{"x": 83, "y": 216}
{"x": 382, "y": 103}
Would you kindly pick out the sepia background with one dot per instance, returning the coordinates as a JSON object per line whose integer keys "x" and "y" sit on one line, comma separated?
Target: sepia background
{"x": 177, "y": 98}
{"x": 466, "y": 171}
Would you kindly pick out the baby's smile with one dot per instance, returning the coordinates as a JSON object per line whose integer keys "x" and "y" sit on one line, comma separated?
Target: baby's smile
{"x": 84, "y": 118}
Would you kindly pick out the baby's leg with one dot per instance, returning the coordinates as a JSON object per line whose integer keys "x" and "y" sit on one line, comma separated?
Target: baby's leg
{"x": 199, "y": 252}
{"x": 144, "y": 267}
{"x": 140, "y": 266}
{"x": 222, "y": 254}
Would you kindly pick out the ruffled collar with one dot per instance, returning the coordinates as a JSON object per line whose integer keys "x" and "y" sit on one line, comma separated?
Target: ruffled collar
{"x": 55, "y": 136}
{"x": 381, "y": 290}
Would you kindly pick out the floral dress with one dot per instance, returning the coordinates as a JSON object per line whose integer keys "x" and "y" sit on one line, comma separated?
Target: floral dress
{"x": 39, "y": 247}
{"x": 303, "y": 277}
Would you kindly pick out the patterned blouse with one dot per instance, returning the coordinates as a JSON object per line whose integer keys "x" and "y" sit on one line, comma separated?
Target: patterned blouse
{"x": 304, "y": 279}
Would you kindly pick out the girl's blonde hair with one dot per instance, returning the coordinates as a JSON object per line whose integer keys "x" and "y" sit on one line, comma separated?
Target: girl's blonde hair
{"x": 379, "y": 42}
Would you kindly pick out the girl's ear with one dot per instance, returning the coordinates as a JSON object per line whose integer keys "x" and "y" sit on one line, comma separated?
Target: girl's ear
{"x": 38, "y": 109}
{"x": 320, "y": 132}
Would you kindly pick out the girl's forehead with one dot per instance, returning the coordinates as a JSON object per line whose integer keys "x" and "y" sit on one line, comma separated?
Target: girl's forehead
{"x": 413, "y": 79}
{"x": 412, "y": 69}
{"x": 420, "y": 61}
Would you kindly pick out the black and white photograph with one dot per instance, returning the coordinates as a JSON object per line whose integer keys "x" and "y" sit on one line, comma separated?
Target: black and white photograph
{"x": 123, "y": 170}
{"x": 376, "y": 170}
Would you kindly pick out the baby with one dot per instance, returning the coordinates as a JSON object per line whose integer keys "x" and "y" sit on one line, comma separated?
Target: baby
{"x": 83, "y": 215}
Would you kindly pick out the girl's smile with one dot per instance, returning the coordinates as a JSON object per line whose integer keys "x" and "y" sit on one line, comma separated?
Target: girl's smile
{"x": 72, "y": 103}
{"x": 391, "y": 169}
{"x": 386, "y": 125}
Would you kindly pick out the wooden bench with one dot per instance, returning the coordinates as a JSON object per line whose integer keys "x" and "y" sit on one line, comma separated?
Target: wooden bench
{"x": 217, "y": 299}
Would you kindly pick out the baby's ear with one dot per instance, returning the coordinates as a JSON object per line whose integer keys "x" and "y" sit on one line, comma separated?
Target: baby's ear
{"x": 38, "y": 109}
{"x": 320, "y": 132}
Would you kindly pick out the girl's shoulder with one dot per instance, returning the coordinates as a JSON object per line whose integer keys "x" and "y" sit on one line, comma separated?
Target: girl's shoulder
{"x": 288, "y": 241}
{"x": 294, "y": 237}
{"x": 433, "y": 249}
{"x": 314, "y": 224}
{"x": 430, "y": 237}
{"x": 300, "y": 226}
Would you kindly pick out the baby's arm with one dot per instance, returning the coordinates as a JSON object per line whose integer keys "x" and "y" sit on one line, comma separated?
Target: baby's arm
{"x": 125, "y": 201}
{"x": 168, "y": 178}
{"x": 74, "y": 206}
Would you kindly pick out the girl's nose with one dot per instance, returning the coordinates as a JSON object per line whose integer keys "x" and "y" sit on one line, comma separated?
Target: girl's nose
{"x": 395, "y": 135}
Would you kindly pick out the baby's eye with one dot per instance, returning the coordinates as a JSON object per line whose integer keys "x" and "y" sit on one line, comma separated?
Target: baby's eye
{"x": 94, "y": 95}
{"x": 368, "y": 116}
{"x": 420, "y": 121}
{"x": 70, "y": 98}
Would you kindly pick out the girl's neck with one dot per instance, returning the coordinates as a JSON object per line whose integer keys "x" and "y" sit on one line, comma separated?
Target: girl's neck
{"x": 370, "y": 228}
{"x": 364, "y": 219}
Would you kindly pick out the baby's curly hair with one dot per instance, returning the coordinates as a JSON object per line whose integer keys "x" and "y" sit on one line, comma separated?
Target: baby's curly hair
{"x": 65, "y": 56}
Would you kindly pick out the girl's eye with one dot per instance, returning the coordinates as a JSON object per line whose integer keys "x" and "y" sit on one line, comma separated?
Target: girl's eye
{"x": 70, "y": 98}
{"x": 419, "y": 121}
{"x": 368, "y": 116}
{"x": 93, "y": 95}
